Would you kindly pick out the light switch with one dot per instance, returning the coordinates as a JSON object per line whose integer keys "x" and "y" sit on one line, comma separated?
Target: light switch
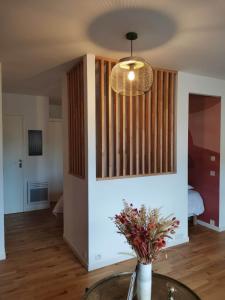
{"x": 212, "y": 158}
{"x": 212, "y": 173}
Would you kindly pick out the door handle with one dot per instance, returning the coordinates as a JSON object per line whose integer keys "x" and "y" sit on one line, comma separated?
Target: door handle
{"x": 20, "y": 163}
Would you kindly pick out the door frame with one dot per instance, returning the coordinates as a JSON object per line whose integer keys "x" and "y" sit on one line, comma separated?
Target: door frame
{"x": 195, "y": 218}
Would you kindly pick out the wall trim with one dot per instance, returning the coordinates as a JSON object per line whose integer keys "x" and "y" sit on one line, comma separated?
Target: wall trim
{"x": 37, "y": 206}
{"x": 122, "y": 258}
{"x": 109, "y": 262}
{"x": 2, "y": 255}
{"x": 210, "y": 226}
{"x": 177, "y": 242}
{"x": 76, "y": 252}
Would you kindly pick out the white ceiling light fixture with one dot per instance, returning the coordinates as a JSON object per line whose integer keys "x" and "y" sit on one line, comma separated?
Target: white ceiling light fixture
{"x": 132, "y": 76}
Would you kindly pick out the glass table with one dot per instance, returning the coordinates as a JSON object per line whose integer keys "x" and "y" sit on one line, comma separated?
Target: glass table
{"x": 116, "y": 288}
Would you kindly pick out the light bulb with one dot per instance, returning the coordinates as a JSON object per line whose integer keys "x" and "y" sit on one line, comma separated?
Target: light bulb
{"x": 131, "y": 75}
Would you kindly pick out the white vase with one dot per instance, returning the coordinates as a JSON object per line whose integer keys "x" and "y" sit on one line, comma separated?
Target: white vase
{"x": 144, "y": 282}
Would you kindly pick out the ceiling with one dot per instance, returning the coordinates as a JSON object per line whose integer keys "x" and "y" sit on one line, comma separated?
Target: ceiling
{"x": 39, "y": 40}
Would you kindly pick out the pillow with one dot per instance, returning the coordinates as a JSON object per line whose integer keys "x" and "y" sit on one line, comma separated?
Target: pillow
{"x": 190, "y": 187}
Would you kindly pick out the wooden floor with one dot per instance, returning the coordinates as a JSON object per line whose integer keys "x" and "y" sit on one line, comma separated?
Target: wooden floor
{"x": 40, "y": 266}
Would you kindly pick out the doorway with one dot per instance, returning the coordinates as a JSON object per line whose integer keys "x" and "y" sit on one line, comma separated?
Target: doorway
{"x": 204, "y": 158}
{"x": 24, "y": 167}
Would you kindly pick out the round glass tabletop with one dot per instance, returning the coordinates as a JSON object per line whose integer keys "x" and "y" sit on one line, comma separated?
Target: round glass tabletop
{"x": 116, "y": 288}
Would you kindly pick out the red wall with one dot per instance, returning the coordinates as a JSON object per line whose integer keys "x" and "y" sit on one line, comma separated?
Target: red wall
{"x": 204, "y": 142}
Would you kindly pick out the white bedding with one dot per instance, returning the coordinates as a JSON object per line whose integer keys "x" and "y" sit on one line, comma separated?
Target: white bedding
{"x": 195, "y": 203}
{"x": 58, "y": 209}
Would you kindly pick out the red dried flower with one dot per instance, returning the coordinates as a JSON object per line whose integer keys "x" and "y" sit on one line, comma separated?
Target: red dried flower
{"x": 146, "y": 231}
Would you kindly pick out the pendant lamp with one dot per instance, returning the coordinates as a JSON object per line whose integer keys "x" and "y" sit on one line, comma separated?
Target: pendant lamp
{"x": 131, "y": 76}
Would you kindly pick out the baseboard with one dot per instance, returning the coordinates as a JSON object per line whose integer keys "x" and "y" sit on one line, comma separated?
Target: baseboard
{"x": 36, "y": 207}
{"x": 109, "y": 262}
{"x": 122, "y": 258}
{"x": 177, "y": 242}
{"x": 2, "y": 255}
{"x": 76, "y": 253}
{"x": 210, "y": 226}
{"x": 118, "y": 259}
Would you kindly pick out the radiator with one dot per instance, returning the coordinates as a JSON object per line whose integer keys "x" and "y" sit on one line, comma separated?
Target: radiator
{"x": 37, "y": 192}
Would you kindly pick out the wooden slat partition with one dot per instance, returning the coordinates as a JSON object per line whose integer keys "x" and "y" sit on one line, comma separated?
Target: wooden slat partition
{"x": 75, "y": 83}
{"x": 135, "y": 135}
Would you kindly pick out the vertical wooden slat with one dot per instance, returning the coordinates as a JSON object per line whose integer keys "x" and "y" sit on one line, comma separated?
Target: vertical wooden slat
{"x": 140, "y": 104}
{"x": 76, "y": 117}
{"x": 98, "y": 118}
{"x": 130, "y": 135}
{"x": 82, "y": 120}
{"x": 76, "y": 121}
{"x": 127, "y": 135}
{"x": 80, "y": 117}
{"x": 124, "y": 143}
{"x": 171, "y": 121}
{"x": 110, "y": 127}
{"x": 106, "y": 113}
{"x": 143, "y": 99}
{"x": 134, "y": 116}
{"x": 71, "y": 143}
{"x": 165, "y": 121}
{"x": 117, "y": 122}
{"x": 154, "y": 124}
{"x": 114, "y": 134}
{"x": 121, "y": 134}
{"x": 69, "y": 117}
{"x": 102, "y": 117}
{"x": 160, "y": 122}
{"x": 136, "y": 133}
{"x": 146, "y": 112}
{"x": 148, "y": 133}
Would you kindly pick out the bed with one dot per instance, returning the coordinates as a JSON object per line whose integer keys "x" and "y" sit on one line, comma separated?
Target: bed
{"x": 195, "y": 204}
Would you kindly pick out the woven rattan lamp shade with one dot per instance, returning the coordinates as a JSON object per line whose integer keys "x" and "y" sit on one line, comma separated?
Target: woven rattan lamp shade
{"x": 132, "y": 76}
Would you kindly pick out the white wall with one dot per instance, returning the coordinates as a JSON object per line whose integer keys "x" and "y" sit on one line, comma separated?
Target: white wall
{"x": 189, "y": 83}
{"x": 35, "y": 113}
{"x": 75, "y": 195}
{"x": 55, "y": 111}
{"x": 55, "y": 159}
{"x": 2, "y": 231}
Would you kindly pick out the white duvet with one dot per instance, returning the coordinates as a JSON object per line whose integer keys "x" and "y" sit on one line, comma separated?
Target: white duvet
{"x": 195, "y": 203}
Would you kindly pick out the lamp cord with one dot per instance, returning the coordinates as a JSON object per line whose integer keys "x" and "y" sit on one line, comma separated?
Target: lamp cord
{"x": 131, "y": 47}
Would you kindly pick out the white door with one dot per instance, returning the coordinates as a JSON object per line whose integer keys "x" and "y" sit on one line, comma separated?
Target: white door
{"x": 13, "y": 163}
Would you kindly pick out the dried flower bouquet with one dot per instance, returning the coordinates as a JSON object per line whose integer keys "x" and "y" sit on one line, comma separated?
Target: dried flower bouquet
{"x": 145, "y": 230}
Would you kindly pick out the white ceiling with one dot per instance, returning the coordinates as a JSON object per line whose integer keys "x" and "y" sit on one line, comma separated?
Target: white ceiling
{"x": 40, "y": 39}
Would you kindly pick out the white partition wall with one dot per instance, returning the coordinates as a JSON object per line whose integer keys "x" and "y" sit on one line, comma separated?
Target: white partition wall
{"x": 2, "y": 233}
{"x": 75, "y": 195}
{"x": 89, "y": 203}
{"x": 105, "y": 196}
